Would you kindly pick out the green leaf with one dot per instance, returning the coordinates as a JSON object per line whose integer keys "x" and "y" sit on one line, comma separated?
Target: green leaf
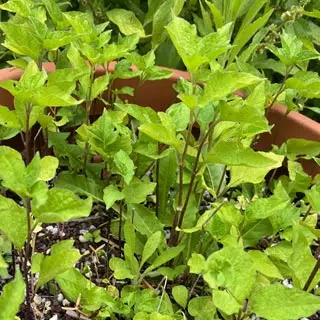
{"x": 231, "y": 272}
{"x": 166, "y": 256}
{"x": 12, "y": 297}
{"x": 145, "y": 221}
{"x": 21, "y": 38}
{"x": 137, "y": 191}
{"x": 302, "y": 261}
{"x": 120, "y": 268}
{"x": 180, "y": 115}
{"x": 48, "y": 169}
{"x": 246, "y": 33}
{"x": 21, "y": 7}
{"x": 142, "y": 114}
{"x": 125, "y": 166}
{"x": 164, "y": 132}
{"x": 130, "y": 235}
{"x": 297, "y": 148}
{"x": 222, "y": 83}
{"x": 180, "y": 294}
{"x": 13, "y": 171}
{"x": 111, "y": 194}
{"x": 245, "y": 174}
{"x": 193, "y": 50}
{"x": 233, "y": 153}
{"x": 167, "y": 178}
{"x": 36, "y": 260}
{"x": 202, "y": 308}
{"x": 13, "y": 222}
{"x": 150, "y": 247}
{"x": 99, "y": 86}
{"x": 61, "y": 205}
{"x": 276, "y": 302}
{"x": 197, "y": 263}
{"x": 161, "y": 17}
{"x": 8, "y": 118}
{"x": 313, "y": 196}
{"x": 80, "y": 185}
{"x": 126, "y": 21}
{"x": 264, "y": 265}
{"x": 72, "y": 283}
{"x": 57, "y": 263}
{"x": 292, "y": 51}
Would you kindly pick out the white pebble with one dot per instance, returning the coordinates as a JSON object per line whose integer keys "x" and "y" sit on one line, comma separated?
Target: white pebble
{"x": 65, "y": 302}
{"x": 60, "y": 297}
{"x": 55, "y": 317}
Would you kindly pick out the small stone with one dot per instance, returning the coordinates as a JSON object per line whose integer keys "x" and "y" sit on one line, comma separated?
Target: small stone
{"x": 55, "y": 317}
{"x": 60, "y": 297}
{"x": 65, "y": 302}
{"x": 82, "y": 239}
{"x": 37, "y": 299}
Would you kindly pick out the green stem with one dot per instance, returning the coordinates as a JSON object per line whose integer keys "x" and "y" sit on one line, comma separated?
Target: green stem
{"x": 174, "y": 234}
{"x": 314, "y": 270}
{"x": 221, "y": 181}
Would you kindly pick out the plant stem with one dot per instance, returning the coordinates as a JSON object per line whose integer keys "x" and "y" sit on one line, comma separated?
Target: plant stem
{"x": 120, "y": 227}
{"x": 314, "y": 270}
{"x": 29, "y": 284}
{"x": 221, "y": 181}
{"x": 174, "y": 234}
{"x": 288, "y": 70}
{"x": 88, "y": 110}
{"x": 194, "y": 173}
{"x": 157, "y": 185}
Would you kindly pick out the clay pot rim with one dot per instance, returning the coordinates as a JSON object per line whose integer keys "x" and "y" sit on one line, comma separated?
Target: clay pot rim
{"x": 13, "y": 73}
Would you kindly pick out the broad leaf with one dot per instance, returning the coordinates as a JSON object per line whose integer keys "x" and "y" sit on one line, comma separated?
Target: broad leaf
{"x": 150, "y": 247}
{"x": 58, "y": 262}
{"x": 12, "y": 297}
{"x": 180, "y": 294}
{"x": 61, "y": 205}
{"x": 111, "y": 194}
{"x": 276, "y": 302}
{"x": 13, "y": 221}
{"x": 126, "y": 21}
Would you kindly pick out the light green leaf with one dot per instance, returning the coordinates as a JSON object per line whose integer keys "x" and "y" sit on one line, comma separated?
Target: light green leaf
{"x": 202, "y": 308}
{"x": 99, "y": 86}
{"x": 302, "y": 261}
{"x": 150, "y": 247}
{"x": 233, "y": 270}
{"x": 180, "y": 294}
{"x": 246, "y": 33}
{"x": 180, "y": 115}
{"x": 57, "y": 263}
{"x": 126, "y": 21}
{"x": 80, "y": 185}
{"x": 164, "y": 132}
{"x": 142, "y": 114}
{"x": 111, "y": 194}
{"x": 137, "y": 191}
{"x": 48, "y": 169}
{"x": 197, "y": 263}
{"x": 13, "y": 171}
{"x": 145, "y": 221}
{"x": 167, "y": 177}
{"x": 36, "y": 260}
{"x": 12, "y": 297}
{"x": 222, "y": 83}
{"x": 13, "y": 221}
{"x": 292, "y": 50}
{"x": 161, "y": 17}
{"x": 120, "y": 268}
{"x": 166, "y": 256}
{"x": 264, "y": 265}
{"x": 125, "y": 166}
{"x": 73, "y": 283}
{"x": 8, "y": 118}
{"x": 245, "y": 174}
{"x": 61, "y": 205}
{"x": 275, "y": 302}
{"x": 313, "y": 196}
{"x": 235, "y": 154}
{"x": 302, "y": 148}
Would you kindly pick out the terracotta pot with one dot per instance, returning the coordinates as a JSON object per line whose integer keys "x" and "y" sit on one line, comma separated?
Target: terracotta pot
{"x": 160, "y": 95}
